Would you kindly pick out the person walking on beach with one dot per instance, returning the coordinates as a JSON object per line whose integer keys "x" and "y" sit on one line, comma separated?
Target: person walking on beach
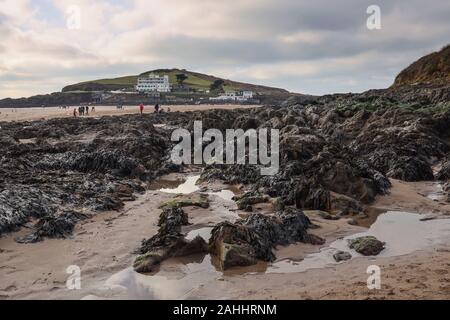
{"x": 75, "y": 112}
{"x": 157, "y": 108}
{"x": 86, "y": 109}
{"x": 141, "y": 108}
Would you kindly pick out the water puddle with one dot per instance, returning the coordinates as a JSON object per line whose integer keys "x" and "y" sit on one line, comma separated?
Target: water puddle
{"x": 403, "y": 233}
{"x": 177, "y": 281}
{"x": 28, "y": 141}
{"x": 179, "y": 278}
{"x": 223, "y": 206}
{"x": 205, "y": 233}
{"x": 437, "y": 194}
{"x": 226, "y": 195}
{"x": 187, "y": 187}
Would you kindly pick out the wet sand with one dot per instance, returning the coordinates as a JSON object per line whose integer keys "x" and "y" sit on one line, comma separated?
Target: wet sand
{"x": 30, "y": 114}
{"x": 103, "y": 248}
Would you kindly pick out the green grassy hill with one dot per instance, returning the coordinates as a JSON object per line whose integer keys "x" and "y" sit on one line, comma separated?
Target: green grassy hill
{"x": 195, "y": 80}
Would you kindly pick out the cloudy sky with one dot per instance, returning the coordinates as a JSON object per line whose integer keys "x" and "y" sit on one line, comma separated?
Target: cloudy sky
{"x": 305, "y": 46}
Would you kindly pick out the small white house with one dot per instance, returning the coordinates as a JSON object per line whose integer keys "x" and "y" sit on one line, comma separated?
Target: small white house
{"x": 247, "y": 94}
{"x": 233, "y": 96}
{"x": 153, "y": 83}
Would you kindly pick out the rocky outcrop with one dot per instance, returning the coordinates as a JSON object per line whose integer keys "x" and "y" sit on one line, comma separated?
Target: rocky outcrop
{"x": 254, "y": 238}
{"x": 168, "y": 242}
{"x": 327, "y": 152}
{"x": 51, "y": 167}
{"x": 59, "y": 227}
{"x": 444, "y": 172}
{"x": 337, "y": 153}
{"x": 248, "y": 199}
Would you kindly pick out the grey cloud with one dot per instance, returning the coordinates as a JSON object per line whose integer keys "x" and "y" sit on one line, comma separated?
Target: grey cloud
{"x": 410, "y": 29}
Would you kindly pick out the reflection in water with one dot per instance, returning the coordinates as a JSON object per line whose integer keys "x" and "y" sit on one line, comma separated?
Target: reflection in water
{"x": 403, "y": 233}
{"x": 178, "y": 278}
{"x": 226, "y": 195}
{"x": 205, "y": 233}
{"x": 438, "y": 193}
{"x": 370, "y": 216}
{"x": 188, "y": 187}
{"x": 176, "y": 284}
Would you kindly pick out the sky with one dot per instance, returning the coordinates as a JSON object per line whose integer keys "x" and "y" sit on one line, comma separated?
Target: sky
{"x": 313, "y": 47}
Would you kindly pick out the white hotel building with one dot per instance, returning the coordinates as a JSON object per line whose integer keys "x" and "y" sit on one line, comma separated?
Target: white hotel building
{"x": 153, "y": 83}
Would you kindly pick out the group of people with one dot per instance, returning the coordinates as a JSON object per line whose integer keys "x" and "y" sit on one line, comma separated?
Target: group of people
{"x": 158, "y": 109}
{"x": 82, "y": 110}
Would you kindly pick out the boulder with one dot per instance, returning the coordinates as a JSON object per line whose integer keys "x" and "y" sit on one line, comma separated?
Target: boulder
{"x": 168, "y": 242}
{"x": 254, "y": 238}
{"x": 367, "y": 246}
{"x": 342, "y": 256}
{"x": 444, "y": 172}
{"x": 249, "y": 199}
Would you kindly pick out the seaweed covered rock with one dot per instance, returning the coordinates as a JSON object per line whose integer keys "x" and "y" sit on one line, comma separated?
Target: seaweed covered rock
{"x": 76, "y": 164}
{"x": 56, "y": 227}
{"x": 246, "y": 174}
{"x": 411, "y": 169}
{"x": 367, "y": 246}
{"x": 254, "y": 238}
{"x": 249, "y": 199}
{"x": 168, "y": 242}
{"x": 162, "y": 247}
{"x": 200, "y": 201}
{"x": 444, "y": 172}
{"x": 171, "y": 220}
{"x": 237, "y": 245}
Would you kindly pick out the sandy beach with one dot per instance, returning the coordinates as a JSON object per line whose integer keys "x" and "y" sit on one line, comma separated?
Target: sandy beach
{"x": 102, "y": 247}
{"x": 38, "y": 113}
{"x": 412, "y": 219}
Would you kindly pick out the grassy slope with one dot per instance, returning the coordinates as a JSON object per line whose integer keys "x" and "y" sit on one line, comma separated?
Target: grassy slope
{"x": 432, "y": 68}
{"x": 195, "y": 80}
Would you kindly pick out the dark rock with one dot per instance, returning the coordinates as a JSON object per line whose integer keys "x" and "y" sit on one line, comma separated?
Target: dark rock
{"x": 411, "y": 169}
{"x": 342, "y": 256}
{"x": 444, "y": 172}
{"x": 168, "y": 242}
{"x": 367, "y": 246}
{"x": 58, "y": 227}
{"x": 172, "y": 219}
{"x": 167, "y": 246}
{"x": 82, "y": 164}
{"x": 254, "y": 238}
{"x": 250, "y": 198}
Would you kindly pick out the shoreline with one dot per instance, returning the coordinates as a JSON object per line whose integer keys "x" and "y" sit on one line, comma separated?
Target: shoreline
{"x": 38, "y": 113}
